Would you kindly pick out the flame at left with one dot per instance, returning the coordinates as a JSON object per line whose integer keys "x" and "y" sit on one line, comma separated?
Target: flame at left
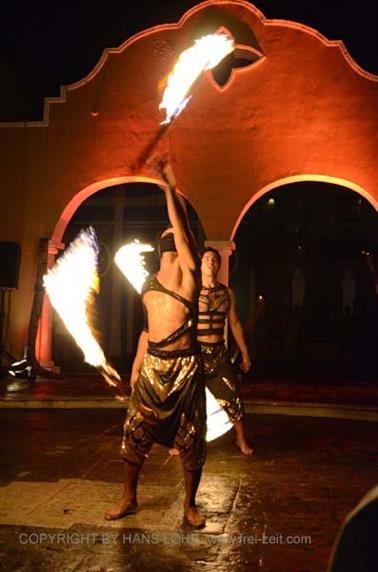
{"x": 72, "y": 284}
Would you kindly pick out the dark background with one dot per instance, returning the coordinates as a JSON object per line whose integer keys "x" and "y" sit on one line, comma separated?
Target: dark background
{"x": 47, "y": 44}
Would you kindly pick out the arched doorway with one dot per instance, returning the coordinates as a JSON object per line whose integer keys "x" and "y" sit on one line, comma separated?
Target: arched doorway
{"x": 119, "y": 214}
{"x": 303, "y": 246}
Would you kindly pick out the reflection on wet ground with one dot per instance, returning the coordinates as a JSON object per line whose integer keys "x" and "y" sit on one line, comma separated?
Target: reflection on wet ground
{"x": 277, "y": 511}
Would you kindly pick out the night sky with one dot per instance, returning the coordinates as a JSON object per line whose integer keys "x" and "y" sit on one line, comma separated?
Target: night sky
{"x": 47, "y": 44}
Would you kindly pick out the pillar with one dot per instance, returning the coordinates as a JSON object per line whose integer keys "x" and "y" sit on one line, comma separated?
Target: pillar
{"x": 44, "y": 335}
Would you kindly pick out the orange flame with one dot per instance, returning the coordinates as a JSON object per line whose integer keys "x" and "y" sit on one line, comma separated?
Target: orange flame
{"x": 71, "y": 285}
{"x": 130, "y": 260}
{"x": 218, "y": 422}
{"x": 205, "y": 54}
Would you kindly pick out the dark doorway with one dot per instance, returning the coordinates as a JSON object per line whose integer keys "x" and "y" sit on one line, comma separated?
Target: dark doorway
{"x": 307, "y": 248}
{"x": 118, "y": 214}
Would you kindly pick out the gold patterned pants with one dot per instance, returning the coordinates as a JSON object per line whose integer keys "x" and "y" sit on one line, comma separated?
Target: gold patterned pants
{"x": 167, "y": 406}
{"x": 221, "y": 379}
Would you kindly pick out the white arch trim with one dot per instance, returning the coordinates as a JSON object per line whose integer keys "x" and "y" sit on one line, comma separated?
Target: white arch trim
{"x": 301, "y": 178}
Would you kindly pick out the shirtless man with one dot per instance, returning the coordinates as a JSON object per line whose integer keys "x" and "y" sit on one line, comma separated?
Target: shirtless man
{"x": 167, "y": 404}
{"x": 216, "y": 303}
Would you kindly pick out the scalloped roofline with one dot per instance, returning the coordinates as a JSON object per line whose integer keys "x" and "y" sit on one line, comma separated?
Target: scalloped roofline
{"x": 62, "y": 97}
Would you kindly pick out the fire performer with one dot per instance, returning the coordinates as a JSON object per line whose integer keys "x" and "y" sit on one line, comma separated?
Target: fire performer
{"x": 167, "y": 404}
{"x": 216, "y": 303}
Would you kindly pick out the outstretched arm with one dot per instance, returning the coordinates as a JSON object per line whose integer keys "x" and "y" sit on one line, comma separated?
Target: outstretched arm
{"x": 238, "y": 333}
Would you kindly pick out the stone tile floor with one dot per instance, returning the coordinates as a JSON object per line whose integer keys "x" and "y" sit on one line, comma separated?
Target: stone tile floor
{"x": 277, "y": 511}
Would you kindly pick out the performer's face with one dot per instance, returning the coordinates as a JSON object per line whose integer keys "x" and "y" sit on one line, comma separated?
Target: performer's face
{"x": 210, "y": 264}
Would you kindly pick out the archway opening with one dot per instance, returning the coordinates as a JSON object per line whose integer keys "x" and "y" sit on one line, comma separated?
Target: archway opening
{"x": 118, "y": 214}
{"x": 304, "y": 247}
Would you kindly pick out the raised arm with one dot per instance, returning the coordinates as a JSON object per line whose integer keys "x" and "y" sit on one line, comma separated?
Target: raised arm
{"x": 188, "y": 230}
{"x": 177, "y": 215}
{"x": 238, "y": 333}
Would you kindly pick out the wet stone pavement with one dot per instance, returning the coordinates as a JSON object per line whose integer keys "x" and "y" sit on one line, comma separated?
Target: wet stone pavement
{"x": 277, "y": 511}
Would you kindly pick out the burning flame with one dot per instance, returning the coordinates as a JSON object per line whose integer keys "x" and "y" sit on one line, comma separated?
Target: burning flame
{"x": 218, "y": 422}
{"x": 130, "y": 260}
{"x": 205, "y": 54}
{"x": 71, "y": 285}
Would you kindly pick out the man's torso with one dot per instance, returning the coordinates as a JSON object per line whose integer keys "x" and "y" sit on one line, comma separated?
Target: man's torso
{"x": 171, "y": 316}
{"x": 213, "y": 305}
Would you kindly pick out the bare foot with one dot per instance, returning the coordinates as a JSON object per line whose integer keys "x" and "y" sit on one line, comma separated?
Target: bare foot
{"x": 193, "y": 517}
{"x": 244, "y": 447}
{"x": 173, "y": 452}
{"x": 122, "y": 509}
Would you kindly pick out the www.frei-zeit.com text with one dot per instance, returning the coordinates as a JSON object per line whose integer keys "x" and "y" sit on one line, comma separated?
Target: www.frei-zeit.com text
{"x": 171, "y": 538}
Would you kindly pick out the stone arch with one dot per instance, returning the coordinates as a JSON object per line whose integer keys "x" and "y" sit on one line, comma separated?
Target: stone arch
{"x": 43, "y": 345}
{"x": 75, "y": 202}
{"x": 298, "y": 179}
{"x": 344, "y": 271}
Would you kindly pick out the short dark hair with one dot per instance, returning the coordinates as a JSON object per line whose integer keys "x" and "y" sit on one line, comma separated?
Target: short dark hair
{"x": 214, "y": 251}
